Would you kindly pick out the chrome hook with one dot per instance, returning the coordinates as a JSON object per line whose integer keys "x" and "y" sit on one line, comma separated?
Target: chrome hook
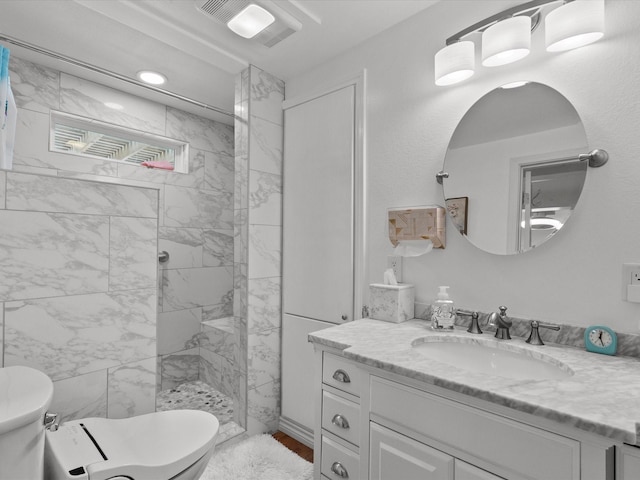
{"x": 440, "y": 175}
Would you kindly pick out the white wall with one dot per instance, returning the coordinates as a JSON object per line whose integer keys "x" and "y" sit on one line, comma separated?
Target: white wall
{"x": 576, "y": 277}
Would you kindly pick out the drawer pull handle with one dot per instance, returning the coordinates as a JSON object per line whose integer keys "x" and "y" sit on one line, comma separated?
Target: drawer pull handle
{"x": 339, "y": 421}
{"x": 339, "y": 470}
{"x": 341, "y": 376}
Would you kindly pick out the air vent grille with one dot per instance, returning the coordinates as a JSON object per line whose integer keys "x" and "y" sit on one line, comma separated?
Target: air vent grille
{"x": 269, "y": 37}
{"x": 224, "y": 10}
{"x": 81, "y": 141}
{"x": 91, "y": 138}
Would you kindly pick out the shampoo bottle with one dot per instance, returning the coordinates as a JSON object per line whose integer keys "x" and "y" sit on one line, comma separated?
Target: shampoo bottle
{"x": 443, "y": 313}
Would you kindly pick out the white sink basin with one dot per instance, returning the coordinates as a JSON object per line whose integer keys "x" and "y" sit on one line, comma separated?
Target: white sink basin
{"x": 491, "y": 358}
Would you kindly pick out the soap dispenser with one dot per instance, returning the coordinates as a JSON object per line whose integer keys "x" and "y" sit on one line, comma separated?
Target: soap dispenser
{"x": 443, "y": 314}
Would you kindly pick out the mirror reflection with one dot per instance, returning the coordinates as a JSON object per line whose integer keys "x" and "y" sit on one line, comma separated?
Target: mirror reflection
{"x": 513, "y": 171}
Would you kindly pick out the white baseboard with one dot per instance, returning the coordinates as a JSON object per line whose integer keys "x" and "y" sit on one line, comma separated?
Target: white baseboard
{"x": 297, "y": 431}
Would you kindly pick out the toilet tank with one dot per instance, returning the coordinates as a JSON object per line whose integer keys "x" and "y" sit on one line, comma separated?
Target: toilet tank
{"x": 25, "y": 396}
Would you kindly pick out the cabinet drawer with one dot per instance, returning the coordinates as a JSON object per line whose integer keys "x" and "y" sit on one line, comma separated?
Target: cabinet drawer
{"x": 521, "y": 449}
{"x": 338, "y": 462}
{"x": 341, "y": 417}
{"x": 341, "y": 374}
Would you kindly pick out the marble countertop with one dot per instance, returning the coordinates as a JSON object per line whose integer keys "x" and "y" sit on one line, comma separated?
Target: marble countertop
{"x": 602, "y": 396}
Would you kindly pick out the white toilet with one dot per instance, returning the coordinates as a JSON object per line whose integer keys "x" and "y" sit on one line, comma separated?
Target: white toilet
{"x": 25, "y": 395}
{"x": 173, "y": 445}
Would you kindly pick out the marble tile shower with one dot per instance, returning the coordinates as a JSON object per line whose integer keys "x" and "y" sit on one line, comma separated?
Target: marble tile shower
{"x": 217, "y": 301}
{"x": 104, "y": 223}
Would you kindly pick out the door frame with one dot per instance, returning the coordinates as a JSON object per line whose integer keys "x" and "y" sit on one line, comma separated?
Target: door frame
{"x": 360, "y": 248}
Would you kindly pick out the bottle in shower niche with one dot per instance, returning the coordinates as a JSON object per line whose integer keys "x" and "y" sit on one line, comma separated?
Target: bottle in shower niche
{"x": 443, "y": 313}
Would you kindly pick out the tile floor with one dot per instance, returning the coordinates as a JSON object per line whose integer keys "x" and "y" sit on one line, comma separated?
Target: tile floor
{"x": 198, "y": 395}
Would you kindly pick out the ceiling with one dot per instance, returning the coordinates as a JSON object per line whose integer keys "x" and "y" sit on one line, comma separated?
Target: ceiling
{"x": 199, "y": 55}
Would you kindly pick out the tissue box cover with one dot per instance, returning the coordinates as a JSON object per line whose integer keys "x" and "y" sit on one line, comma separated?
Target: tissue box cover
{"x": 391, "y": 303}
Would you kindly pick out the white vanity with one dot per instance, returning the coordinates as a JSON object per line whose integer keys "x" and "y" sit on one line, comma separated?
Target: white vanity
{"x": 387, "y": 411}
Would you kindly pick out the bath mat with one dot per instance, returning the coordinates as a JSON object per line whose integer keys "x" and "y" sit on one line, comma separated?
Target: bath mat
{"x": 260, "y": 457}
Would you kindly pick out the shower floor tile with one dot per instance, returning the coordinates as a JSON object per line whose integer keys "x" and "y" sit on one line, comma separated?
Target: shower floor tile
{"x": 197, "y": 396}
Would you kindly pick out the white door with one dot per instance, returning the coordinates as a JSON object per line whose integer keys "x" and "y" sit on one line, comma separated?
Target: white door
{"x": 318, "y": 246}
{"x": 323, "y": 221}
{"x": 395, "y": 456}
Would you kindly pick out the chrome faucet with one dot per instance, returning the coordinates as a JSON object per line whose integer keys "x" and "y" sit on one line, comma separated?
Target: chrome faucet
{"x": 502, "y": 323}
{"x": 474, "y": 327}
{"x": 534, "y": 336}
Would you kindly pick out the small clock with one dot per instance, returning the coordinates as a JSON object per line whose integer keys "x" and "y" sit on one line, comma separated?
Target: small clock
{"x": 600, "y": 339}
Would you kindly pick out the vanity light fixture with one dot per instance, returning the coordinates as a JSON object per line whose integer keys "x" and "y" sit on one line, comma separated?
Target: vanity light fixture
{"x": 574, "y": 25}
{"x": 506, "y": 36}
{"x": 455, "y": 63}
{"x": 250, "y": 21}
{"x": 152, "y": 78}
{"x": 506, "y": 41}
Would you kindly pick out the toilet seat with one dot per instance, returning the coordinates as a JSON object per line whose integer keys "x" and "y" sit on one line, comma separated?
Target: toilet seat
{"x": 154, "y": 446}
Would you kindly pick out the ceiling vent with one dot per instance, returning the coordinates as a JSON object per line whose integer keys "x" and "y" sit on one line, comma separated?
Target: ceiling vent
{"x": 224, "y": 10}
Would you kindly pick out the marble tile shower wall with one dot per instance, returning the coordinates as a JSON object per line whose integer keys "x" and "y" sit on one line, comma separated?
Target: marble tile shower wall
{"x": 258, "y": 206}
{"x": 78, "y": 290}
{"x": 194, "y": 214}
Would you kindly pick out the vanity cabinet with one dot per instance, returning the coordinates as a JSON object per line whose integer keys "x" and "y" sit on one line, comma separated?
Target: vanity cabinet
{"x": 376, "y": 425}
{"x": 340, "y": 419}
{"x": 397, "y": 456}
{"x": 628, "y": 463}
{"x": 497, "y": 443}
{"x": 464, "y": 471}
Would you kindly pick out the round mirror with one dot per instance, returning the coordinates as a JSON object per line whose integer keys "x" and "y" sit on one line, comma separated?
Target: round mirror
{"x": 513, "y": 171}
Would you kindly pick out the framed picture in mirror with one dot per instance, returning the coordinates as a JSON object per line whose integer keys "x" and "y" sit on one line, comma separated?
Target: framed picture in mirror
{"x": 458, "y": 212}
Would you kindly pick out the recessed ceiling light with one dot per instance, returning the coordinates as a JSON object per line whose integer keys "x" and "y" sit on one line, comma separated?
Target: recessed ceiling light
{"x": 251, "y": 21}
{"x": 113, "y": 105}
{"x": 152, "y": 78}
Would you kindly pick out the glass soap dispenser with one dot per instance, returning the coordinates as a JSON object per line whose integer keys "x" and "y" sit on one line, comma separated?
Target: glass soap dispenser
{"x": 443, "y": 313}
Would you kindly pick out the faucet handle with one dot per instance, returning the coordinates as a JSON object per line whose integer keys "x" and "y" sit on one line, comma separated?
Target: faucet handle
{"x": 474, "y": 327}
{"x": 534, "y": 336}
{"x": 502, "y": 323}
{"x": 503, "y": 316}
